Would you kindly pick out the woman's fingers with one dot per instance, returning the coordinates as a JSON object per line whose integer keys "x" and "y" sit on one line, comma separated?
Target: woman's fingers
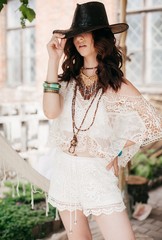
{"x": 109, "y": 166}
{"x": 114, "y": 165}
{"x": 62, "y": 43}
{"x": 56, "y": 42}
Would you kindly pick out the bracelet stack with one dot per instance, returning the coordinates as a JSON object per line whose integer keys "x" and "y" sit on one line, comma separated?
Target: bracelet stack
{"x": 51, "y": 87}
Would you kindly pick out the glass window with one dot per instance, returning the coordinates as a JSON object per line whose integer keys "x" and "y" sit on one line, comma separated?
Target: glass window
{"x": 154, "y": 47}
{"x": 153, "y": 3}
{"x": 134, "y": 5}
{"x": 13, "y": 58}
{"x": 144, "y": 42}
{"x": 20, "y": 48}
{"x": 135, "y": 48}
{"x": 28, "y": 57}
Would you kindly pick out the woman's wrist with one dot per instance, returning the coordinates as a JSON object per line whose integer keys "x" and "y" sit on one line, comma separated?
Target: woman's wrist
{"x": 54, "y": 62}
{"x": 52, "y": 73}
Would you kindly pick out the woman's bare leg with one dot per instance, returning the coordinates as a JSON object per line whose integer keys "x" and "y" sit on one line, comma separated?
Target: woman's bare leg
{"x": 115, "y": 226}
{"x": 81, "y": 230}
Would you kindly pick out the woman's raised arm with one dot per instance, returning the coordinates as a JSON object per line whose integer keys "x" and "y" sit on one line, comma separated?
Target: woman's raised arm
{"x": 52, "y": 102}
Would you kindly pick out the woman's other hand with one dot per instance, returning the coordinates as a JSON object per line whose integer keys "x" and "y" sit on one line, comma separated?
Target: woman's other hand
{"x": 114, "y": 165}
{"x": 56, "y": 46}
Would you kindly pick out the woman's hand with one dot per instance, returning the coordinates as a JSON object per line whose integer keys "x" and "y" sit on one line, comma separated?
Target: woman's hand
{"x": 114, "y": 165}
{"x": 56, "y": 46}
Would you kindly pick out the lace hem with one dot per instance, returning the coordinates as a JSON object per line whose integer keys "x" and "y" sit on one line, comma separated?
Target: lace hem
{"x": 64, "y": 206}
{"x": 109, "y": 209}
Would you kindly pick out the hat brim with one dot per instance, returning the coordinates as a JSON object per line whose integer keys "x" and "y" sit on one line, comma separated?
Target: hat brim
{"x": 115, "y": 28}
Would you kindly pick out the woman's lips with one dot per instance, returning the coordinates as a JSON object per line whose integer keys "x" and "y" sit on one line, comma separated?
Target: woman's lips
{"x": 82, "y": 46}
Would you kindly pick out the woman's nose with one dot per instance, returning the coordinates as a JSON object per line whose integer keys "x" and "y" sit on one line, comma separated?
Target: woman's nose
{"x": 79, "y": 38}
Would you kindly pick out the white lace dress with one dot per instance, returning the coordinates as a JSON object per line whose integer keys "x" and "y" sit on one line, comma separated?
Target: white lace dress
{"x": 82, "y": 182}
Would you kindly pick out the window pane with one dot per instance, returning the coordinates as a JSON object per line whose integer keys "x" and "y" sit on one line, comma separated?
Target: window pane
{"x": 155, "y": 24}
{"x": 154, "y": 46}
{"x": 134, "y": 68}
{"x": 153, "y": 3}
{"x": 13, "y": 58}
{"x": 135, "y": 4}
{"x": 144, "y": 42}
{"x": 29, "y": 55}
{"x": 156, "y": 69}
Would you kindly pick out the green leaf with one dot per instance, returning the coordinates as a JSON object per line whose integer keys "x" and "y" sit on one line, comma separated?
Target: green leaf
{"x": 2, "y": 2}
{"x": 24, "y": 1}
{"x": 23, "y": 10}
{"x": 27, "y": 13}
{"x": 1, "y": 6}
{"x": 30, "y": 14}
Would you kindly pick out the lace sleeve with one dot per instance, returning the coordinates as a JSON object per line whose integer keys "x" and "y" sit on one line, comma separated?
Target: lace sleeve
{"x": 134, "y": 119}
{"x": 152, "y": 120}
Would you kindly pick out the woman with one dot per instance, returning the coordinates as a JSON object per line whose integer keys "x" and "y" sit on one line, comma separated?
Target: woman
{"x": 100, "y": 122}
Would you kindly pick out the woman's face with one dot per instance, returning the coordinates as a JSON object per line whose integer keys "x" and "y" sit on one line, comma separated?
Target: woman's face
{"x": 84, "y": 44}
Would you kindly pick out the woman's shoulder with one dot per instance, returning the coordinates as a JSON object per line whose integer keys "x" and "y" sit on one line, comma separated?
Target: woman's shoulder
{"x": 128, "y": 89}
{"x": 128, "y": 95}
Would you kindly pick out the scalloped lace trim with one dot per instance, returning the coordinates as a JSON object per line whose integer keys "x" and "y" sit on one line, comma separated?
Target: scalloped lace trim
{"x": 109, "y": 209}
{"x": 64, "y": 206}
{"x": 119, "y": 207}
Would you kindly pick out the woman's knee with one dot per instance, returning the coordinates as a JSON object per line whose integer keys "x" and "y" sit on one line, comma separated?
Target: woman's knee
{"x": 81, "y": 230}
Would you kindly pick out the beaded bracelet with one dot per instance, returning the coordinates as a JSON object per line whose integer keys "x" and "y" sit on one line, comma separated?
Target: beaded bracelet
{"x": 120, "y": 153}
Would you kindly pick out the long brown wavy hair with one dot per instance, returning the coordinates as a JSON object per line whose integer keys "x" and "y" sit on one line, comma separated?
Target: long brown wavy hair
{"x": 109, "y": 59}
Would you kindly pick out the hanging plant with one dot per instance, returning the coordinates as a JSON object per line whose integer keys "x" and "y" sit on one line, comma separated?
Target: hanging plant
{"x": 27, "y": 13}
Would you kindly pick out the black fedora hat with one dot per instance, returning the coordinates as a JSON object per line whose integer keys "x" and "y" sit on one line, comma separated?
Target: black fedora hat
{"x": 88, "y": 17}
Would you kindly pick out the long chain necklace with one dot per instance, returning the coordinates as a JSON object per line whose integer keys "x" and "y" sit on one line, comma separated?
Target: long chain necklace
{"x": 76, "y": 130}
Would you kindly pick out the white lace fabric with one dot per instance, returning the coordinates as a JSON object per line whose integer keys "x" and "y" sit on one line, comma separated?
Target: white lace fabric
{"x": 119, "y": 119}
{"x": 83, "y": 183}
{"x": 104, "y": 209}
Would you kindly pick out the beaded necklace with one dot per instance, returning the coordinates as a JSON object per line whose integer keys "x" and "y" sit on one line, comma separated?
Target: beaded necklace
{"x": 88, "y": 85}
{"x": 76, "y": 130}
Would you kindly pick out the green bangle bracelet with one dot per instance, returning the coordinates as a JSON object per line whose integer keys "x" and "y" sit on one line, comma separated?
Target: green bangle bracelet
{"x": 52, "y": 85}
{"x": 120, "y": 153}
{"x": 51, "y": 88}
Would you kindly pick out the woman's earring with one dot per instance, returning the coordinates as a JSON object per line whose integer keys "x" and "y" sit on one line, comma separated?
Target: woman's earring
{"x": 74, "y": 61}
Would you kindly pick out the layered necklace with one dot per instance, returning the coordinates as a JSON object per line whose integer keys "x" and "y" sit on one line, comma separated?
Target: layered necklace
{"x": 87, "y": 91}
{"x": 88, "y": 84}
